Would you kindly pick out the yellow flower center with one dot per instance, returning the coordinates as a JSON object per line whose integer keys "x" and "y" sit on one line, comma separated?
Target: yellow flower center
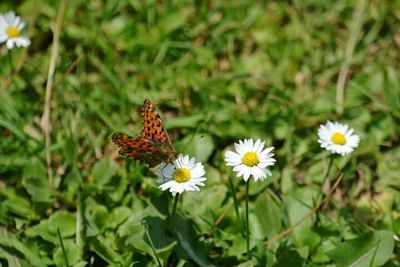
{"x": 13, "y": 31}
{"x": 338, "y": 138}
{"x": 250, "y": 159}
{"x": 181, "y": 175}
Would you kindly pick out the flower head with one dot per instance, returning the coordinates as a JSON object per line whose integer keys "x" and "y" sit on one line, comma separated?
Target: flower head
{"x": 337, "y": 138}
{"x": 183, "y": 174}
{"x": 10, "y": 31}
{"x": 251, "y": 159}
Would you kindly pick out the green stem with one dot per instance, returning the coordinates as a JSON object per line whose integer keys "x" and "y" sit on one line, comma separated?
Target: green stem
{"x": 247, "y": 221}
{"x": 62, "y": 247}
{"x": 172, "y": 223}
{"x": 235, "y": 202}
{"x": 10, "y": 61}
{"x": 321, "y": 192}
{"x": 327, "y": 171}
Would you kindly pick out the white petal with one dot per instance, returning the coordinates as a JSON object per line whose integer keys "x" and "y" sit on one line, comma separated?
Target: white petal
{"x": 167, "y": 185}
{"x": 232, "y": 158}
{"x": 10, "y": 43}
{"x": 3, "y": 38}
{"x": 197, "y": 172}
{"x": 240, "y": 148}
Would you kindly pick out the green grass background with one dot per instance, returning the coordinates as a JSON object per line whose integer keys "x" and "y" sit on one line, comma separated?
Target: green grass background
{"x": 218, "y": 71}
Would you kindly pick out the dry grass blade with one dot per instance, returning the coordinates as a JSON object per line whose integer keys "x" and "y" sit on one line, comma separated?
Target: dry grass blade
{"x": 348, "y": 54}
{"x": 45, "y": 122}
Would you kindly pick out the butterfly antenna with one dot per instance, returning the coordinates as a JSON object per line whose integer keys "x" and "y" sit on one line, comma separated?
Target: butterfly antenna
{"x": 193, "y": 138}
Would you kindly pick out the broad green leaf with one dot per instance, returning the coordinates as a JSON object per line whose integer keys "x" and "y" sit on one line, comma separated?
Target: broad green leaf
{"x": 371, "y": 249}
{"x": 238, "y": 247}
{"x": 105, "y": 251}
{"x": 39, "y": 189}
{"x": 102, "y": 172}
{"x": 117, "y": 216}
{"x": 47, "y": 229}
{"x": 42, "y": 229}
{"x": 198, "y": 146}
{"x": 189, "y": 241}
{"x": 63, "y": 220}
{"x": 36, "y": 182}
{"x": 268, "y": 216}
{"x": 208, "y": 203}
{"x": 100, "y": 217}
{"x": 162, "y": 243}
{"x": 298, "y": 207}
{"x": 72, "y": 253}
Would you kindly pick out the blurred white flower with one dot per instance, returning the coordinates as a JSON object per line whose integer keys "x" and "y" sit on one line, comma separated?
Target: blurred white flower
{"x": 250, "y": 159}
{"x": 10, "y": 31}
{"x": 337, "y": 138}
{"x": 183, "y": 174}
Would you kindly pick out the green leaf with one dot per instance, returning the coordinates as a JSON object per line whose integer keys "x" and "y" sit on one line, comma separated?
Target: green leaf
{"x": 39, "y": 189}
{"x": 64, "y": 221}
{"x": 103, "y": 171}
{"x": 238, "y": 247}
{"x": 70, "y": 151}
{"x": 198, "y": 146}
{"x": 105, "y": 251}
{"x": 289, "y": 258}
{"x": 117, "y": 216}
{"x": 157, "y": 231}
{"x": 208, "y": 203}
{"x": 47, "y": 229}
{"x": 10, "y": 241}
{"x": 98, "y": 219}
{"x": 189, "y": 241}
{"x": 17, "y": 204}
{"x": 298, "y": 206}
{"x": 72, "y": 252}
{"x": 184, "y": 121}
{"x": 267, "y": 217}
{"x": 371, "y": 249}
{"x": 42, "y": 230}
{"x": 36, "y": 182}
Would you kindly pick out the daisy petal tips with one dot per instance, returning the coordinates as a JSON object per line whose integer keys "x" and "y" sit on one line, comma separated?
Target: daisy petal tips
{"x": 11, "y": 28}
{"x": 337, "y": 138}
{"x": 183, "y": 174}
{"x": 250, "y": 159}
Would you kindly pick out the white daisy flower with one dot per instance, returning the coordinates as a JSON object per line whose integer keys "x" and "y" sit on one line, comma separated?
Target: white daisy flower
{"x": 183, "y": 174}
{"x": 337, "y": 138}
{"x": 10, "y": 31}
{"x": 251, "y": 159}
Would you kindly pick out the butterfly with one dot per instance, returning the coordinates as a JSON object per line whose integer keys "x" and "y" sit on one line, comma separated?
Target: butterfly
{"x": 153, "y": 145}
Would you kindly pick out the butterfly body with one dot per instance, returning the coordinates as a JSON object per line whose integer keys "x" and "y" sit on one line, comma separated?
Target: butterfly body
{"x": 153, "y": 145}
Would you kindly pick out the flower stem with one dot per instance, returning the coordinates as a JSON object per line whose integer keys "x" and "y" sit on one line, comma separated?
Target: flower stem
{"x": 235, "y": 202}
{"x": 10, "y": 61}
{"x": 172, "y": 222}
{"x": 327, "y": 171}
{"x": 321, "y": 193}
{"x": 247, "y": 221}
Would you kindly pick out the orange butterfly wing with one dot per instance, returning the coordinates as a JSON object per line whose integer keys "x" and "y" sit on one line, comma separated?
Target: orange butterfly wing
{"x": 153, "y": 128}
{"x": 153, "y": 145}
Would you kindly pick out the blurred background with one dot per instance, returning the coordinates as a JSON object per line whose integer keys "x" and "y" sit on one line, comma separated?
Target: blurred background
{"x": 218, "y": 71}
